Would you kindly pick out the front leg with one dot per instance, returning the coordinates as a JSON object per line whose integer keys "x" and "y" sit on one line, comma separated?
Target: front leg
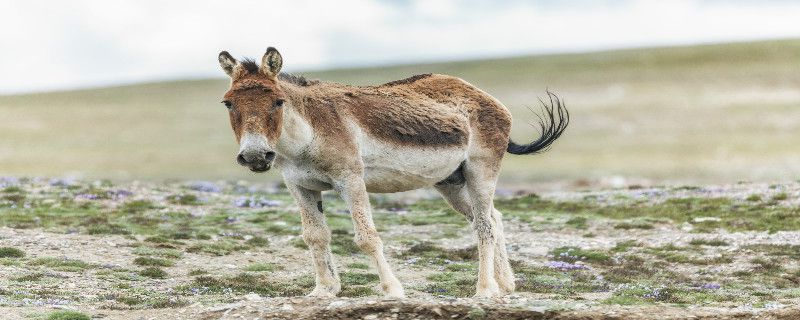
{"x": 317, "y": 237}
{"x": 354, "y": 192}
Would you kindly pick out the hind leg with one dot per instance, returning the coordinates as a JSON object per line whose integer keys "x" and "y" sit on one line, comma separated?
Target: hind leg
{"x": 473, "y": 197}
{"x": 502, "y": 268}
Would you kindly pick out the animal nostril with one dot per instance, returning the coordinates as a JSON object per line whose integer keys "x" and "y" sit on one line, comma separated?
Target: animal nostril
{"x": 270, "y": 156}
{"x": 241, "y": 160}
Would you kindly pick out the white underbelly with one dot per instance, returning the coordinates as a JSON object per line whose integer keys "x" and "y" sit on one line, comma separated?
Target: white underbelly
{"x": 391, "y": 168}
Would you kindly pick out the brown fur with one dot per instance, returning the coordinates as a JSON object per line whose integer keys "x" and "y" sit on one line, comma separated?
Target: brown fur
{"x": 422, "y": 111}
{"x": 248, "y": 95}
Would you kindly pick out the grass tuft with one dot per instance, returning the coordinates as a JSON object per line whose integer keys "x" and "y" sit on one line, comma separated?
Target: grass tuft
{"x": 574, "y": 254}
{"x": 10, "y": 252}
{"x": 154, "y": 262}
{"x": 61, "y": 264}
{"x": 68, "y": 315}
{"x": 263, "y": 267}
{"x": 153, "y": 272}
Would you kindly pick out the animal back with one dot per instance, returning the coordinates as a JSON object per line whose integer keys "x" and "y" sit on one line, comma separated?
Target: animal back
{"x": 410, "y": 121}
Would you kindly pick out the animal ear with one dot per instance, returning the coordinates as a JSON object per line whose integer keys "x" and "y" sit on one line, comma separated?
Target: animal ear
{"x": 227, "y": 62}
{"x": 271, "y": 63}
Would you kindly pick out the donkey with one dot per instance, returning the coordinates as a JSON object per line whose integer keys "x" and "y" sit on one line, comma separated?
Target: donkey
{"x": 426, "y": 130}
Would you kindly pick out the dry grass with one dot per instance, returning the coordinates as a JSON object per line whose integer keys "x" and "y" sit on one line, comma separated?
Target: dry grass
{"x": 719, "y": 113}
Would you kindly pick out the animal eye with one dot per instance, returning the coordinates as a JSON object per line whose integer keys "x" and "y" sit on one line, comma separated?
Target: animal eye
{"x": 227, "y": 104}
{"x": 279, "y": 103}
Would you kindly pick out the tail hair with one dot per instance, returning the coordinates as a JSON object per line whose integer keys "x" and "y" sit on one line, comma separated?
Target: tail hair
{"x": 552, "y": 124}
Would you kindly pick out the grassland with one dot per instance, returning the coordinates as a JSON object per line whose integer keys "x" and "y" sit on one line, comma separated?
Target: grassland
{"x": 131, "y": 250}
{"x": 714, "y": 113}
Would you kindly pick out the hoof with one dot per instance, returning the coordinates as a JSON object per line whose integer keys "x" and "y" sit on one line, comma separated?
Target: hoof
{"x": 322, "y": 292}
{"x": 506, "y": 287}
{"x": 396, "y": 293}
{"x": 491, "y": 291}
{"x": 393, "y": 290}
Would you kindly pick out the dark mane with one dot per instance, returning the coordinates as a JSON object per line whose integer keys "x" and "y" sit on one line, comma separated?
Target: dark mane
{"x": 295, "y": 79}
{"x": 251, "y": 66}
{"x": 407, "y": 80}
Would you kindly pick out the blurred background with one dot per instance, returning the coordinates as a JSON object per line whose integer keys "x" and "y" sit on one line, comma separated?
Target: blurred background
{"x": 661, "y": 92}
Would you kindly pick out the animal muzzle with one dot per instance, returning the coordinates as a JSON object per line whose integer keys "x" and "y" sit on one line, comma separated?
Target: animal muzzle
{"x": 254, "y": 153}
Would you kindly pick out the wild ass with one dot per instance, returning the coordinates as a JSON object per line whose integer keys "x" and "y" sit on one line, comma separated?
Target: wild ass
{"x": 426, "y": 130}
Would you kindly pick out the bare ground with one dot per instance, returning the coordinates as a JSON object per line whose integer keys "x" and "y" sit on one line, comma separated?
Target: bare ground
{"x": 714, "y": 264}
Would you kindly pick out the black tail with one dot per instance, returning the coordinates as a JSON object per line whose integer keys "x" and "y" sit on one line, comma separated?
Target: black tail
{"x": 553, "y": 124}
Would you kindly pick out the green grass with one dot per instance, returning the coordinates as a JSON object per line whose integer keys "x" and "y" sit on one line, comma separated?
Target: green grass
{"x": 633, "y": 225}
{"x": 574, "y": 254}
{"x": 257, "y": 242}
{"x": 160, "y": 252}
{"x": 10, "y": 252}
{"x": 29, "y": 277}
{"x": 61, "y": 264}
{"x": 358, "y": 265}
{"x": 547, "y": 280}
{"x": 438, "y": 255}
{"x": 733, "y": 215}
{"x": 197, "y": 272}
{"x": 669, "y": 294}
{"x": 753, "y": 198}
{"x": 709, "y": 242}
{"x": 153, "y": 272}
{"x": 218, "y": 248}
{"x": 67, "y": 315}
{"x": 263, "y": 267}
{"x": 154, "y": 262}
{"x": 186, "y": 199}
{"x": 780, "y": 196}
{"x": 258, "y": 283}
{"x": 781, "y": 250}
{"x": 647, "y": 104}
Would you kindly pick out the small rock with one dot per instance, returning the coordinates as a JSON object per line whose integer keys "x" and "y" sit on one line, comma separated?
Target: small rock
{"x": 287, "y": 307}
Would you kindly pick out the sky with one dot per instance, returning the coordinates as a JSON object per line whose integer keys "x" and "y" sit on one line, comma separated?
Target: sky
{"x": 59, "y": 45}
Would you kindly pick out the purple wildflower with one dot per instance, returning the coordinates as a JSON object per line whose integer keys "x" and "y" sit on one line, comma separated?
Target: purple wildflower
{"x": 86, "y": 196}
{"x": 655, "y": 294}
{"x": 205, "y": 186}
{"x": 8, "y": 182}
{"x": 711, "y": 286}
{"x": 565, "y": 266}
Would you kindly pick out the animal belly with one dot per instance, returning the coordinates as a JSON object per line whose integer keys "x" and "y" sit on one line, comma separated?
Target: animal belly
{"x": 401, "y": 169}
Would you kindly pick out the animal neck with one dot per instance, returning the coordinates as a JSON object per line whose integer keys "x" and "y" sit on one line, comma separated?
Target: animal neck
{"x": 296, "y": 133}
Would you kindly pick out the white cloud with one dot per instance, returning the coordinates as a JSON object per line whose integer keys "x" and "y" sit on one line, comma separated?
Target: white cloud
{"x": 49, "y": 45}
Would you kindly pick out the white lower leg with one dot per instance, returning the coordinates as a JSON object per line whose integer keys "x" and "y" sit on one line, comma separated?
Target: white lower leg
{"x": 373, "y": 246}
{"x": 487, "y": 285}
{"x": 327, "y": 279}
{"x": 502, "y": 269}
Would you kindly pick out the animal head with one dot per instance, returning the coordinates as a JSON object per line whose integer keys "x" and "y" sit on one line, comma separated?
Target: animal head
{"x": 255, "y": 106}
